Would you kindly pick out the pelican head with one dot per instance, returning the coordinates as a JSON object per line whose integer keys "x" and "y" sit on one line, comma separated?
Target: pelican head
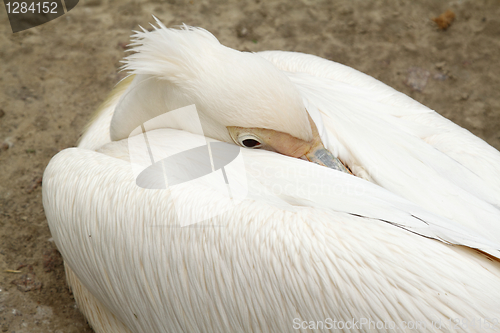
{"x": 240, "y": 96}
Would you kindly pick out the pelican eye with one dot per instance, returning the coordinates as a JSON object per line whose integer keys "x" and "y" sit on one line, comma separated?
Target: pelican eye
{"x": 249, "y": 141}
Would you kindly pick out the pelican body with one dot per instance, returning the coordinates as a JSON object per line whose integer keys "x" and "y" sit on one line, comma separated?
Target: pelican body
{"x": 393, "y": 226}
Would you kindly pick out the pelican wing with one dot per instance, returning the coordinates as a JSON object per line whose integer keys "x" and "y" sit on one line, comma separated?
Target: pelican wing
{"x": 392, "y": 140}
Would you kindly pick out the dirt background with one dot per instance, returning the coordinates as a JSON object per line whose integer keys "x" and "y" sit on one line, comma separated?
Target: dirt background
{"x": 52, "y": 77}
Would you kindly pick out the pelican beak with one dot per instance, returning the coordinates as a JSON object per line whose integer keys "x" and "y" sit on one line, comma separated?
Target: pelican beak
{"x": 320, "y": 155}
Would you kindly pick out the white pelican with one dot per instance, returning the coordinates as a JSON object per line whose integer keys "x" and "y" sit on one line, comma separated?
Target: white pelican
{"x": 409, "y": 242}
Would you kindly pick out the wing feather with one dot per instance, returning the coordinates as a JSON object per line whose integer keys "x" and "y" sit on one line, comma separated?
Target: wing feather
{"x": 392, "y": 140}
{"x": 444, "y": 135}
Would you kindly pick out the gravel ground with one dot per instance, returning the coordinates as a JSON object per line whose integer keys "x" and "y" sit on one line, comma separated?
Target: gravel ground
{"x": 53, "y": 76}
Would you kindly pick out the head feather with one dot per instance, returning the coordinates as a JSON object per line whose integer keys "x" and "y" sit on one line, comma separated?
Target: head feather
{"x": 171, "y": 54}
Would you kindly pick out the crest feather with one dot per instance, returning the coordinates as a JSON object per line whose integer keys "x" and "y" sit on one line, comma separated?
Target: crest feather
{"x": 170, "y": 54}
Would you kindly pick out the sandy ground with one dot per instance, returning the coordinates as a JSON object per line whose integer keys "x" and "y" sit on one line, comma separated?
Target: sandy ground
{"x": 52, "y": 77}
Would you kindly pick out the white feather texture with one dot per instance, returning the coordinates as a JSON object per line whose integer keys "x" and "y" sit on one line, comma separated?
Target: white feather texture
{"x": 413, "y": 240}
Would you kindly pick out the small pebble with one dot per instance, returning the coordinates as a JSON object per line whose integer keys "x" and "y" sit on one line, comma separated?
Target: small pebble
{"x": 417, "y": 78}
{"x": 440, "y": 65}
{"x": 242, "y": 31}
{"x": 7, "y": 144}
{"x": 439, "y": 77}
{"x": 444, "y": 20}
{"x": 16, "y": 312}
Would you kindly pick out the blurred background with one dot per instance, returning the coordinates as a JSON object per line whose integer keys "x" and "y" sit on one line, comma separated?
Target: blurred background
{"x": 54, "y": 76}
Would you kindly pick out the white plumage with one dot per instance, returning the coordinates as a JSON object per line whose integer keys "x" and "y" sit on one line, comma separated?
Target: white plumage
{"x": 399, "y": 243}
